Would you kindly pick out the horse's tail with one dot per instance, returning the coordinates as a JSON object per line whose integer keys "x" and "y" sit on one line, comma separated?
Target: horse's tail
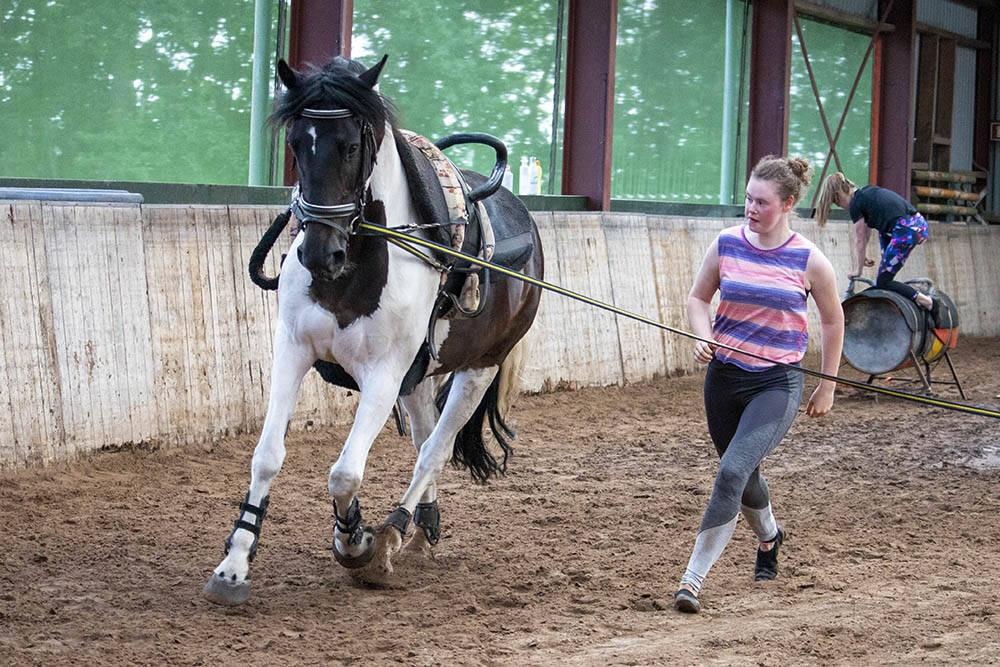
{"x": 471, "y": 450}
{"x": 256, "y": 264}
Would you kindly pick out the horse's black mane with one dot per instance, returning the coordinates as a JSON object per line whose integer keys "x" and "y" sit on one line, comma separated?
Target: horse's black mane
{"x": 334, "y": 86}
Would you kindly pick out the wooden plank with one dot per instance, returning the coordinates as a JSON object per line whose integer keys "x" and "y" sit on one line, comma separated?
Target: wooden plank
{"x": 945, "y": 209}
{"x": 19, "y": 344}
{"x": 153, "y": 250}
{"x": 678, "y": 246}
{"x": 591, "y": 351}
{"x": 948, "y": 176}
{"x": 81, "y": 413}
{"x": 545, "y": 363}
{"x": 10, "y": 452}
{"x": 41, "y": 406}
{"x": 128, "y": 271}
{"x": 268, "y": 303}
{"x": 193, "y": 303}
{"x": 168, "y": 285}
{"x": 106, "y": 346}
{"x": 225, "y": 364}
{"x": 633, "y": 287}
{"x": 945, "y": 193}
{"x": 252, "y": 315}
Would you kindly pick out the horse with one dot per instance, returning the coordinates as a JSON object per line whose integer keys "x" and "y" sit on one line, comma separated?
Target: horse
{"x": 358, "y": 308}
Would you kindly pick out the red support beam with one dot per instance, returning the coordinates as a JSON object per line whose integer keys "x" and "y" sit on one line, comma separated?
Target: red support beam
{"x": 770, "y": 70}
{"x": 896, "y": 97}
{"x": 318, "y": 31}
{"x": 590, "y": 97}
{"x": 984, "y": 75}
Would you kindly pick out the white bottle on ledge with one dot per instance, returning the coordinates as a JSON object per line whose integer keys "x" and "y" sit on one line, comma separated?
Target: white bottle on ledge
{"x": 508, "y": 178}
{"x": 523, "y": 177}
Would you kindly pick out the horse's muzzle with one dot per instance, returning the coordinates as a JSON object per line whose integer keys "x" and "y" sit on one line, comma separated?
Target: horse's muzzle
{"x": 326, "y": 267}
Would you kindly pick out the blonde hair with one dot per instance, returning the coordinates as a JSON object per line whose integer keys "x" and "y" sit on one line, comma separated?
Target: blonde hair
{"x": 835, "y": 184}
{"x": 791, "y": 175}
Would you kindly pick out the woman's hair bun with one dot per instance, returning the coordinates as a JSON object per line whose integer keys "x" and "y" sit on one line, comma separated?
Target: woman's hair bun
{"x": 802, "y": 170}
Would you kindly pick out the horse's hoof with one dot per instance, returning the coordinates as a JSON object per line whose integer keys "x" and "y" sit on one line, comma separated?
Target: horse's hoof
{"x": 355, "y": 562}
{"x": 379, "y": 571}
{"x": 419, "y": 545}
{"x": 221, "y": 590}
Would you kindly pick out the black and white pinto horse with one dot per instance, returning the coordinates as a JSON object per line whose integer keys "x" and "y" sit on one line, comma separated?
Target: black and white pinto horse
{"x": 358, "y": 309}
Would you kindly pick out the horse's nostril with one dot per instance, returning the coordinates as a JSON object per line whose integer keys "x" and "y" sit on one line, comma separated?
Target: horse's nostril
{"x": 338, "y": 257}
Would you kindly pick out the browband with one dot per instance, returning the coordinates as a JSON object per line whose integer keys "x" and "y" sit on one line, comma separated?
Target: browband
{"x": 326, "y": 113}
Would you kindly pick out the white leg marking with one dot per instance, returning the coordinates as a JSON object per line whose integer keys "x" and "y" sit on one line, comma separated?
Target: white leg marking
{"x": 378, "y": 395}
{"x": 289, "y": 366}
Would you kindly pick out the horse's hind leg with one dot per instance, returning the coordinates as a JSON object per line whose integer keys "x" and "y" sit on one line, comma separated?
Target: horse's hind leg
{"x": 467, "y": 390}
{"x": 422, "y": 410}
{"x": 230, "y": 582}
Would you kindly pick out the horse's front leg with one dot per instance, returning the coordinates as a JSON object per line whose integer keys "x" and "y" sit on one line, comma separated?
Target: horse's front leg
{"x": 353, "y": 542}
{"x": 230, "y": 582}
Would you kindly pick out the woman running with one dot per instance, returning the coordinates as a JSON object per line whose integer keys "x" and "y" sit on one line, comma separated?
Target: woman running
{"x": 900, "y": 229}
{"x": 763, "y": 271}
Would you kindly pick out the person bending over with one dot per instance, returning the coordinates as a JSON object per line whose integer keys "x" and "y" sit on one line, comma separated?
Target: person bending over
{"x": 900, "y": 229}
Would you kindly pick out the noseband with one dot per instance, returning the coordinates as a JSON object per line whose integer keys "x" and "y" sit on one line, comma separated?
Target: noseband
{"x": 330, "y": 216}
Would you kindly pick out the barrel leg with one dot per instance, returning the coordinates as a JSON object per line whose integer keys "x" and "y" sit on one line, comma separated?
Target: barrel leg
{"x": 923, "y": 378}
{"x": 951, "y": 367}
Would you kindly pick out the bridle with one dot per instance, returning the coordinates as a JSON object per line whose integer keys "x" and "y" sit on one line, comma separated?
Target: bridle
{"x": 306, "y": 212}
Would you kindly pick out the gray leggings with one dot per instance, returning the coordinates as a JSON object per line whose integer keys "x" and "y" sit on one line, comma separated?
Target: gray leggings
{"x": 748, "y": 415}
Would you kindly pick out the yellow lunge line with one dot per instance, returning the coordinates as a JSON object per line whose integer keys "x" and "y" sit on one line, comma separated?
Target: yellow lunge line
{"x": 403, "y": 238}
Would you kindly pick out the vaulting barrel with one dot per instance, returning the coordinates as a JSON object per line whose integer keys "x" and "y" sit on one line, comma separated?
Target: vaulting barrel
{"x": 885, "y": 331}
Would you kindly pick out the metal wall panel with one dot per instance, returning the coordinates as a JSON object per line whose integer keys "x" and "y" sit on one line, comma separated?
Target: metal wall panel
{"x": 861, "y": 8}
{"x": 947, "y": 15}
{"x": 963, "y": 116}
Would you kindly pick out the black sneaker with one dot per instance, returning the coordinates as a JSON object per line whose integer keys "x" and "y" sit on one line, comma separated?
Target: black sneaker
{"x": 766, "y": 568}
{"x": 686, "y": 601}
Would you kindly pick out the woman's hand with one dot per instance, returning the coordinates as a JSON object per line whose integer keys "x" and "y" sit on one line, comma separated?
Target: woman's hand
{"x": 703, "y": 352}
{"x": 821, "y": 400}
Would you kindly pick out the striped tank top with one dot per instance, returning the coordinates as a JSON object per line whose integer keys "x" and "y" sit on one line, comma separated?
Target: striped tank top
{"x": 762, "y": 305}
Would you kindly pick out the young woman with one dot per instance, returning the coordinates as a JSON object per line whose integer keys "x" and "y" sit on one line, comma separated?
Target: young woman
{"x": 764, "y": 271}
{"x": 900, "y": 230}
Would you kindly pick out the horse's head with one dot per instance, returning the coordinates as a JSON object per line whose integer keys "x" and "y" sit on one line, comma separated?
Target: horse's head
{"x": 335, "y": 121}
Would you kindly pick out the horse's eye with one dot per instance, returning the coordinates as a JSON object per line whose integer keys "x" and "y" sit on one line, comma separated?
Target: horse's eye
{"x": 352, "y": 149}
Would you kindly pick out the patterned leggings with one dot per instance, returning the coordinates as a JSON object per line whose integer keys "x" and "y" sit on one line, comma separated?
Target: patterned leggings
{"x": 906, "y": 235}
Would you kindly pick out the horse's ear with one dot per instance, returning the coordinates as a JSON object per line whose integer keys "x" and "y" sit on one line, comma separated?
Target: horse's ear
{"x": 288, "y": 76}
{"x": 370, "y": 78}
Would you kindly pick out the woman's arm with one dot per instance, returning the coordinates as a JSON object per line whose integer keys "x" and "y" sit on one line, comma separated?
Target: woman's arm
{"x": 861, "y": 232}
{"x": 699, "y": 306}
{"x": 823, "y": 287}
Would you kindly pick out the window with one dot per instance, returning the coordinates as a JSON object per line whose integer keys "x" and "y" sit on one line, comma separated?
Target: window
{"x": 680, "y": 104}
{"x": 481, "y": 66}
{"x": 835, "y": 55}
{"x": 127, "y": 90}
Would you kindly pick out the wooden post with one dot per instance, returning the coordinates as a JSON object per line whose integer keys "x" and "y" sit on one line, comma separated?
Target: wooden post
{"x": 770, "y": 70}
{"x": 896, "y": 97}
{"x": 590, "y": 98}
{"x": 319, "y": 30}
